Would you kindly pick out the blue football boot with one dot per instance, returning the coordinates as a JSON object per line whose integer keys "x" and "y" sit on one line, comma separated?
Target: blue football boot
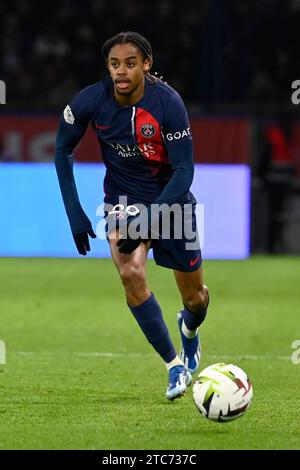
{"x": 179, "y": 380}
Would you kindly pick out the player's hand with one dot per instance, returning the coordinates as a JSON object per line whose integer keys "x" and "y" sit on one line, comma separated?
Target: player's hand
{"x": 81, "y": 230}
{"x": 82, "y": 241}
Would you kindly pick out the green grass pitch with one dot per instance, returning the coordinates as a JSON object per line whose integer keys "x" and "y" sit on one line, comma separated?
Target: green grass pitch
{"x": 80, "y": 375}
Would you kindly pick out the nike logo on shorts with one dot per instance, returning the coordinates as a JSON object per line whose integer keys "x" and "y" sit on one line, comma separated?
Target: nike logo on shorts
{"x": 194, "y": 261}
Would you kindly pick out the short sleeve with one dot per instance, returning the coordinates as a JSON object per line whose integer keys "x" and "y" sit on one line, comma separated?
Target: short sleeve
{"x": 176, "y": 125}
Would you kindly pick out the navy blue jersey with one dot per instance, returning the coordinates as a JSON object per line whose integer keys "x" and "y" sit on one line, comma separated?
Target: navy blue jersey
{"x": 144, "y": 146}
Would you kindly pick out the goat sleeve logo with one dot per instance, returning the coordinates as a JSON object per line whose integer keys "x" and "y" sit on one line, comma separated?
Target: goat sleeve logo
{"x": 68, "y": 115}
{"x": 179, "y": 134}
{"x": 148, "y": 130}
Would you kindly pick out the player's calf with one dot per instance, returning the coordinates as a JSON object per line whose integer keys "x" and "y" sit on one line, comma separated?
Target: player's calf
{"x": 194, "y": 313}
{"x": 196, "y": 303}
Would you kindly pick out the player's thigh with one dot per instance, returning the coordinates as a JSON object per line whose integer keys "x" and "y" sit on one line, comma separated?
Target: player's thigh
{"x": 189, "y": 283}
{"x": 136, "y": 259}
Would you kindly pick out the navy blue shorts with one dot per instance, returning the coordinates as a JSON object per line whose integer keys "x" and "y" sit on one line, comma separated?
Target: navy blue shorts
{"x": 180, "y": 251}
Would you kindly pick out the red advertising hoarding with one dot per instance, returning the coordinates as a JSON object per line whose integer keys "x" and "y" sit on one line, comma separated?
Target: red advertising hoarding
{"x": 216, "y": 140}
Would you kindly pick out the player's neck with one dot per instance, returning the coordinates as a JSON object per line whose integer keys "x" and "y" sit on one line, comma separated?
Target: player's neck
{"x": 134, "y": 97}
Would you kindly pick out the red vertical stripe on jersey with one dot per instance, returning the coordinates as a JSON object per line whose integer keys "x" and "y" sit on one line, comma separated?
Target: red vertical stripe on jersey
{"x": 152, "y": 146}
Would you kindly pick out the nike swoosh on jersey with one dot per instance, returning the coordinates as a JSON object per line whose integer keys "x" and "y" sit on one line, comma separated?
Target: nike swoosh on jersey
{"x": 102, "y": 127}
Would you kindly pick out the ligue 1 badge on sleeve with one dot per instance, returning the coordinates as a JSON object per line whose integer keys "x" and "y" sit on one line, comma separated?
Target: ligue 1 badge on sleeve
{"x": 2, "y": 92}
{"x": 68, "y": 115}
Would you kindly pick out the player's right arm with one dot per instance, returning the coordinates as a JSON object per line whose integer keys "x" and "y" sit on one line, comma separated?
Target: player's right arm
{"x": 72, "y": 126}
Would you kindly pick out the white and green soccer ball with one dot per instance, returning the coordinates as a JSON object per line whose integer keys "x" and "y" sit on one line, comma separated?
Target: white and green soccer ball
{"x": 222, "y": 392}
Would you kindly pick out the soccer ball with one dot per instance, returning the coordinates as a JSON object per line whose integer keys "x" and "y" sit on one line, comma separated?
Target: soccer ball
{"x": 222, "y": 392}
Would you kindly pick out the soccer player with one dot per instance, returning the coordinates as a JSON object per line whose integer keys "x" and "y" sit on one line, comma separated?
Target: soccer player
{"x": 144, "y": 133}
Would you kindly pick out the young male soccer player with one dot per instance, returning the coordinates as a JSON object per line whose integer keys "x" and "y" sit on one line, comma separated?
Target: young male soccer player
{"x": 144, "y": 133}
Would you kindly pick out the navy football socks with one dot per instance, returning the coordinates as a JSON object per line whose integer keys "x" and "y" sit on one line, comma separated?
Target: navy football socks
{"x": 150, "y": 319}
{"x": 193, "y": 320}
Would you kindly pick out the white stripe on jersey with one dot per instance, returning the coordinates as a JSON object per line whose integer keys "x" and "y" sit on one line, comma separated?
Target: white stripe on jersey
{"x": 132, "y": 121}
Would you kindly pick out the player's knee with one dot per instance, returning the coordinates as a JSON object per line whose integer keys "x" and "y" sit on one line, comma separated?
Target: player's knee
{"x": 197, "y": 301}
{"x": 131, "y": 274}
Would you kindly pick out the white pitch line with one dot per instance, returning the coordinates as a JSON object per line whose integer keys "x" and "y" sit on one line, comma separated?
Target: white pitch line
{"x": 80, "y": 354}
{"x": 250, "y": 357}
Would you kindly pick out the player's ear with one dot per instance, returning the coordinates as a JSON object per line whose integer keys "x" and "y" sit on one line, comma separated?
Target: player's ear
{"x": 147, "y": 65}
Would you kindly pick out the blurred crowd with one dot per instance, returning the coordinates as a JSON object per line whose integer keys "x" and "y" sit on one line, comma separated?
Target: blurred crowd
{"x": 212, "y": 51}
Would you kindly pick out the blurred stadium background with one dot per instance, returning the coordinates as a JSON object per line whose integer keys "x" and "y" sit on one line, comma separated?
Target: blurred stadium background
{"x": 233, "y": 62}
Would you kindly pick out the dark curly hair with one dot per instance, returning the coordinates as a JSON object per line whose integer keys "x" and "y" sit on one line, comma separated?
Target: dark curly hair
{"x": 125, "y": 38}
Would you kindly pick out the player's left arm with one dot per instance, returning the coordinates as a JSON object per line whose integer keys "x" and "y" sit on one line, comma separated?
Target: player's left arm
{"x": 179, "y": 145}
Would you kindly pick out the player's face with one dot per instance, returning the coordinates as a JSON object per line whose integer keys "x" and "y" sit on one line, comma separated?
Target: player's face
{"x": 127, "y": 68}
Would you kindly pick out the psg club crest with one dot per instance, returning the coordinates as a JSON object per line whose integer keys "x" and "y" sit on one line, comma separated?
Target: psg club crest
{"x": 148, "y": 130}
